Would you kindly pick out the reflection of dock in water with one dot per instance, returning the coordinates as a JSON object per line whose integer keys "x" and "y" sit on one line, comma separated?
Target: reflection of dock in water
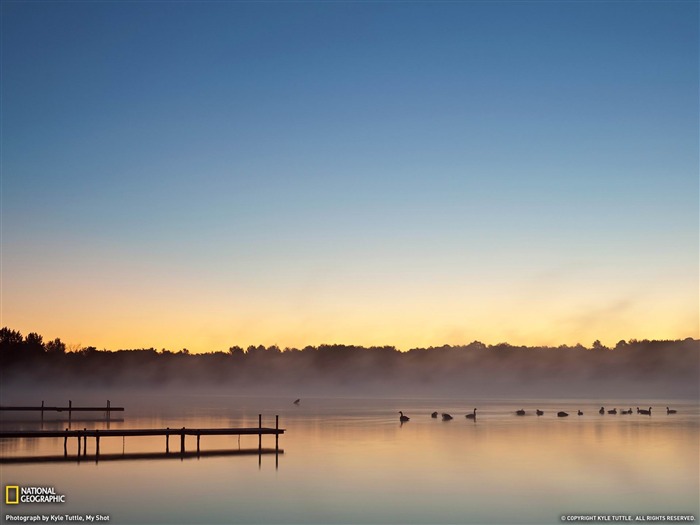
{"x": 140, "y": 455}
{"x": 96, "y": 434}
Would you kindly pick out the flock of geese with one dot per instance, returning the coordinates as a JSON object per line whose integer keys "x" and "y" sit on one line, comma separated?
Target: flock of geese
{"x": 447, "y": 417}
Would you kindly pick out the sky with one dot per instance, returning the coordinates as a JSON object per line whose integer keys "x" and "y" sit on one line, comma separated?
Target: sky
{"x": 206, "y": 174}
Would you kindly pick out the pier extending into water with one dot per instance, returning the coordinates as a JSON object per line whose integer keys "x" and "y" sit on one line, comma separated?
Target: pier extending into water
{"x": 83, "y": 435}
{"x": 107, "y": 409}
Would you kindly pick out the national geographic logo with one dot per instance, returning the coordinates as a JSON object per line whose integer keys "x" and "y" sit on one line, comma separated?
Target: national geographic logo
{"x": 11, "y": 494}
{"x": 14, "y": 495}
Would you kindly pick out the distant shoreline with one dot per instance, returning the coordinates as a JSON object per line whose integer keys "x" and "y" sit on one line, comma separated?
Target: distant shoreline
{"x": 649, "y": 369}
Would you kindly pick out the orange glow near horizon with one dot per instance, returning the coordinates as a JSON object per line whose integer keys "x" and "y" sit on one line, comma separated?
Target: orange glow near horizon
{"x": 110, "y": 303}
{"x": 213, "y": 325}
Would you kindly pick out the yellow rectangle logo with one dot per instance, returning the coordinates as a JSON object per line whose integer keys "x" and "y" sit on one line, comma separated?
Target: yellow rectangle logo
{"x": 8, "y": 489}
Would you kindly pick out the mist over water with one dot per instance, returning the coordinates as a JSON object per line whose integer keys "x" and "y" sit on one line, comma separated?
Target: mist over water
{"x": 350, "y": 460}
{"x": 653, "y": 369}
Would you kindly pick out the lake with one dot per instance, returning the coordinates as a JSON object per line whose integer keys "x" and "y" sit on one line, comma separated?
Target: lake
{"x": 352, "y": 461}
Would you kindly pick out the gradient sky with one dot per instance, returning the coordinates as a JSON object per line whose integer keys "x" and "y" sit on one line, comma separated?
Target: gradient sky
{"x": 203, "y": 174}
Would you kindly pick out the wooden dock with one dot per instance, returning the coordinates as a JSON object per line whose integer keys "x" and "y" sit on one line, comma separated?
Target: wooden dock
{"x": 107, "y": 409}
{"x": 83, "y": 435}
{"x": 70, "y": 408}
{"x": 72, "y": 421}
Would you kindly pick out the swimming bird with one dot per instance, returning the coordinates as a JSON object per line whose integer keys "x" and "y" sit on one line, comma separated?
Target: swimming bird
{"x": 472, "y": 415}
{"x": 580, "y": 413}
{"x": 539, "y": 412}
{"x": 602, "y": 410}
{"x": 446, "y": 417}
{"x": 297, "y": 402}
{"x": 403, "y": 418}
{"x": 626, "y": 411}
{"x": 613, "y": 411}
{"x": 670, "y": 411}
{"x": 520, "y": 412}
{"x": 562, "y": 414}
{"x": 434, "y": 414}
{"x": 645, "y": 412}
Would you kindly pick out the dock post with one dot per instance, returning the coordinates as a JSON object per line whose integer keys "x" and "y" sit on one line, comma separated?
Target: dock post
{"x": 84, "y": 441}
{"x": 70, "y": 411}
{"x": 259, "y": 432}
{"x": 167, "y": 440}
{"x": 65, "y": 444}
{"x": 108, "y": 411}
{"x": 182, "y": 441}
{"x": 97, "y": 444}
{"x": 197, "y": 443}
{"x": 42, "y": 411}
{"x": 78, "y": 434}
{"x": 277, "y": 442}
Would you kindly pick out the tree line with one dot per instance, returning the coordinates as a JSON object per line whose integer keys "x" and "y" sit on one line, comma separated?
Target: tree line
{"x": 475, "y": 366}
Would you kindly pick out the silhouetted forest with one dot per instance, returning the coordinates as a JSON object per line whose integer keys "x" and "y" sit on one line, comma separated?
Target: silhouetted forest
{"x": 637, "y": 368}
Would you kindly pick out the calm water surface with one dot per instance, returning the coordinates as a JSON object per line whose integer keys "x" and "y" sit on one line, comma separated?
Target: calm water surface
{"x": 351, "y": 461}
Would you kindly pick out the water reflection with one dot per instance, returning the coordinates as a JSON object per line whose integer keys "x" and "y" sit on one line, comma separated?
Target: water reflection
{"x": 354, "y": 462}
{"x": 33, "y": 459}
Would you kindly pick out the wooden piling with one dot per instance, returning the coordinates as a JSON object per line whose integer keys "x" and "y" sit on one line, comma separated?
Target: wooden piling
{"x": 97, "y": 443}
{"x": 277, "y": 436}
{"x": 70, "y": 410}
{"x": 65, "y": 444}
{"x": 260, "y": 433}
{"x": 182, "y": 441}
{"x": 167, "y": 440}
{"x": 84, "y": 441}
{"x": 198, "y": 436}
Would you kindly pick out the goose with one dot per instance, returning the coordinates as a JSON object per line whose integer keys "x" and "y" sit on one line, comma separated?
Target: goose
{"x": 539, "y": 412}
{"x": 670, "y": 411}
{"x": 403, "y": 418}
{"x": 613, "y": 411}
{"x": 645, "y": 412}
{"x": 520, "y": 412}
{"x": 446, "y": 417}
{"x": 602, "y": 410}
{"x": 434, "y": 414}
{"x": 562, "y": 414}
{"x": 472, "y": 415}
{"x": 297, "y": 402}
{"x": 626, "y": 411}
{"x": 580, "y": 413}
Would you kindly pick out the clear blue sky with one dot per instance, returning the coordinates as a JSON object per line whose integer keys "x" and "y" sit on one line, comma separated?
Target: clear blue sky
{"x": 203, "y": 174}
